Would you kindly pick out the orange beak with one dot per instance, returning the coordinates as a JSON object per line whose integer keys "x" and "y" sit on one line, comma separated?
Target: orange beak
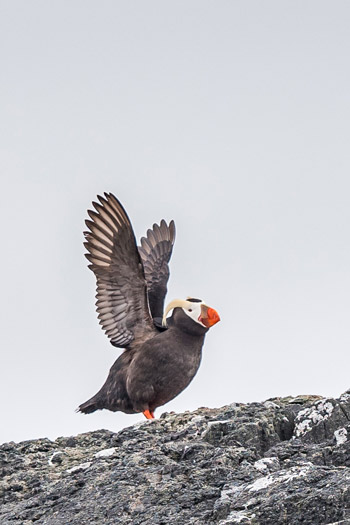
{"x": 208, "y": 316}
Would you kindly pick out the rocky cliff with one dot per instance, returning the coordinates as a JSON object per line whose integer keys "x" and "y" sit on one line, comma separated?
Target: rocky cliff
{"x": 284, "y": 461}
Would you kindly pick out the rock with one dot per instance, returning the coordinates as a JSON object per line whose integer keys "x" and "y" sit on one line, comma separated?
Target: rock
{"x": 284, "y": 461}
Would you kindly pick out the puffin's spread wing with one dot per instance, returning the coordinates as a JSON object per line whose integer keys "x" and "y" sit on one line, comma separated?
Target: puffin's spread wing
{"x": 155, "y": 251}
{"x": 122, "y": 303}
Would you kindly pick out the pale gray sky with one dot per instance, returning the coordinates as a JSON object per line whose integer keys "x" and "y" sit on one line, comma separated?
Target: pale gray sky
{"x": 232, "y": 118}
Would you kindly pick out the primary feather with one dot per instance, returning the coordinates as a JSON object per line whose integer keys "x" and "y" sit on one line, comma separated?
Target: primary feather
{"x": 155, "y": 250}
{"x": 122, "y": 301}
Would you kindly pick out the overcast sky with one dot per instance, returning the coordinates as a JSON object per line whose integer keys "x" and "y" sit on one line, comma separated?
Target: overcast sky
{"x": 230, "y": 117}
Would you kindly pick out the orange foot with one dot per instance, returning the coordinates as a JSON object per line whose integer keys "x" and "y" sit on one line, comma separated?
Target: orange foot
{"x": 148, "y": 414}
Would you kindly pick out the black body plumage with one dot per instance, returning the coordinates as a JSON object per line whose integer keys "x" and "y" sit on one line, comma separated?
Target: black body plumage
{"x": 148, "y": 377}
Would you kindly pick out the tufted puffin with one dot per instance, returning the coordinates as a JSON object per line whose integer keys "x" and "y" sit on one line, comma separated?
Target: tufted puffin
{"x": 161, "y": 355}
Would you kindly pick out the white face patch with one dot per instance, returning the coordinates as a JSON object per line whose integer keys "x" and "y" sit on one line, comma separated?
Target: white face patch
{"x": 193, "y": 310}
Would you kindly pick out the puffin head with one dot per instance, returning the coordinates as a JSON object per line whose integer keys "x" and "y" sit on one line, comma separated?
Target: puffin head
{"x": 196, "y": 309}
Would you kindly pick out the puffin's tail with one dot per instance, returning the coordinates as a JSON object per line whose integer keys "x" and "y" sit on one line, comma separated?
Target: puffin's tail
{"x": 89, "y": 406}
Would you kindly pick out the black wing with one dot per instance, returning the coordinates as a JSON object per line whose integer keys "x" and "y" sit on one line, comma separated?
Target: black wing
{"x": 155, "y": 251}
{"x": 122, "y": 303}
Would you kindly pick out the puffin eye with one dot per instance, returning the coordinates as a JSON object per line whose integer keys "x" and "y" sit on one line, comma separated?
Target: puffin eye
{"x": 190, "y": 309}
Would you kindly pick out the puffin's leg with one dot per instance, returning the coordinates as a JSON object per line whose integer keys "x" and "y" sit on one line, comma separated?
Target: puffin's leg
{"x": 148, "y": 414}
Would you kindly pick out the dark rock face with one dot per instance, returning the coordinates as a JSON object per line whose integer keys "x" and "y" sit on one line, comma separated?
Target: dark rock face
{"x": 285, "y": 461}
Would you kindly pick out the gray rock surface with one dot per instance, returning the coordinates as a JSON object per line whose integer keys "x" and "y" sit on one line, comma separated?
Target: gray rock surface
{"x": 285, "y": 461}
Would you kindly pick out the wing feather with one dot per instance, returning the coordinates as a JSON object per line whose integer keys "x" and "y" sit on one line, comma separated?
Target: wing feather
{"x": 122, "y": 302}
{"x": 155, "y": 251}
